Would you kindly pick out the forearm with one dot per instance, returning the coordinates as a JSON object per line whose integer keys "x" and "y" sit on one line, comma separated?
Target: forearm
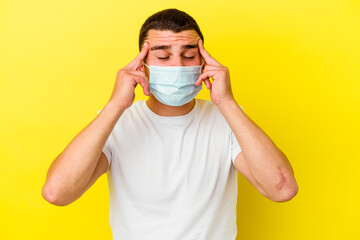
{"x": 268, "y": 164}
{"x": 72, "y": 169}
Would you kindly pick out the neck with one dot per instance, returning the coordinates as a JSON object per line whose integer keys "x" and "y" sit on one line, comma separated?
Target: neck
{"x": 169, "y": 111}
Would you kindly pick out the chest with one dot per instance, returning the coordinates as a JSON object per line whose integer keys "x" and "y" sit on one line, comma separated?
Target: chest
{"x": 161, "y": 162}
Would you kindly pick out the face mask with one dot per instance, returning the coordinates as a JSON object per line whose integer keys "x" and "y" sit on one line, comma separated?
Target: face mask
{"x": 174, "y": 86}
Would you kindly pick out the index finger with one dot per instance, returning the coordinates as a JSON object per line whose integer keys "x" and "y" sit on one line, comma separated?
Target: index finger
{"x": 134, "y": 64}
{"x": 207, "y": 57}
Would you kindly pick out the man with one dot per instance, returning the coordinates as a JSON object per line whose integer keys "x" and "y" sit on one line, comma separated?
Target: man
{"x": 171, "y": 161}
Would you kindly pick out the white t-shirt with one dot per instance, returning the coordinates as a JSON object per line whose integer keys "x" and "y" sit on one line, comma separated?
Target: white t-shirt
{"x": 172, "y": 177}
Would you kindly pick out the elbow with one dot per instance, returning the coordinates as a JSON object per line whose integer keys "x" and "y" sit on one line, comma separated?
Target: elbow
{"x": 287, "y": 194}
{"x": 50, "y": 195}
{"x": 287, "y": 188}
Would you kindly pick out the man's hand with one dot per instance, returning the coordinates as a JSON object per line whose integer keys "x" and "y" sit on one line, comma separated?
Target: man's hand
{"x": 128, "y": 78}
{"x": 220, "y": 88}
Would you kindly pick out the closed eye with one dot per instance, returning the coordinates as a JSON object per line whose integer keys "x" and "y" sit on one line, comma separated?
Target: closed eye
{"x": 163, "y": 58}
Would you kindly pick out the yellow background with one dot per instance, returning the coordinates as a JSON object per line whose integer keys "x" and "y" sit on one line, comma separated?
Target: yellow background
{"x": 295, "y": 69}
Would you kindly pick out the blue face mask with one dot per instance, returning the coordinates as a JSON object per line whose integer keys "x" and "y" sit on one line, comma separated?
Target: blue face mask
{"x": 174, "y": 86}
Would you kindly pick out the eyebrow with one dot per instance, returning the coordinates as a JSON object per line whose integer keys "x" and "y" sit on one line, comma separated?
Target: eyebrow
{"x": 167, "y": 47}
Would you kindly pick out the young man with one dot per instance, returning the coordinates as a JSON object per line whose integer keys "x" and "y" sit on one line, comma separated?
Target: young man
{"x": 172, "y": 160}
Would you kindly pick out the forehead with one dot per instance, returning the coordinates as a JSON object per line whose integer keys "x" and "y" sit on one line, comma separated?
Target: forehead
{"x": 158, "y": 37}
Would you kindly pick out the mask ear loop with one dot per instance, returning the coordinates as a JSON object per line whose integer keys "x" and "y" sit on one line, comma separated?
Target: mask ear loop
{"x": 146, "y": 65}
{"x": 148, "y": 68}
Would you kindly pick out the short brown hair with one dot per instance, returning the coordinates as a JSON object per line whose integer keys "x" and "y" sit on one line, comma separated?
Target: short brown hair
{"x": 169, "y": 19}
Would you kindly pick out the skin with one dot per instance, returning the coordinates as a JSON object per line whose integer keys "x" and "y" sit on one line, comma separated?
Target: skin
{"x": 171, "y": 49}
{"x": 260, "y": 161}
{"x": 82, "y": 162}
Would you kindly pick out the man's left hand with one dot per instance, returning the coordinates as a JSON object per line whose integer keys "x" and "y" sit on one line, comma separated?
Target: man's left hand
{"x": 220, "y": 87}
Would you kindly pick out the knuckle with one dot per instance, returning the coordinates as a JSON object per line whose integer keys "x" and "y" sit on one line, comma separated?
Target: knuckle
{"x": 121, "y": 72}
{"x": 225, "y": 70}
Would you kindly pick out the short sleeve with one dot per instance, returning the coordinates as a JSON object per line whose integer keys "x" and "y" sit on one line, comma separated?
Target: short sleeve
{"x": 235, "y": 146}
{"x": 107, "y": 148}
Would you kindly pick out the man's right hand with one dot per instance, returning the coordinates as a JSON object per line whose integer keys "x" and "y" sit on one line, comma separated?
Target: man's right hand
{"x": 128, "y": 78}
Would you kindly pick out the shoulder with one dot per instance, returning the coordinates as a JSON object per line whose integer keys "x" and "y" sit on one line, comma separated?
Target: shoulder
{"x": 132, "y": 115}
{"x": 135, "y": 109}
{"x": 206, "y": 105}
{"x": 209, "y": 106}
{"x": 136, "y": 106}
{"x": 208, "y": 110}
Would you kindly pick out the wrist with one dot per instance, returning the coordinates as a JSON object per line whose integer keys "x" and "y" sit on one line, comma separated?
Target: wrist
{"x": 115, "y": 107}
{"x": 226, "y": 104}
